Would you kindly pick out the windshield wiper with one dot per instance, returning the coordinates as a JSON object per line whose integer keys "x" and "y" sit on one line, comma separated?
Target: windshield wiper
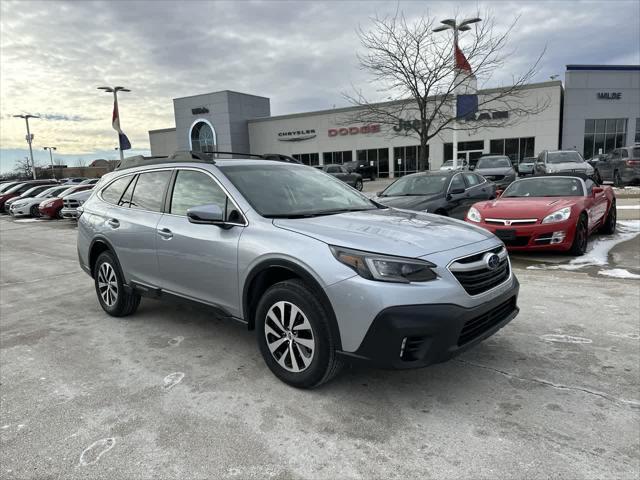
{"x": 318, "y": 214}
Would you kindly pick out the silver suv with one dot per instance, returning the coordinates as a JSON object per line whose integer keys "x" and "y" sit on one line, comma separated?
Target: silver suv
{"x": 323, "y": 274}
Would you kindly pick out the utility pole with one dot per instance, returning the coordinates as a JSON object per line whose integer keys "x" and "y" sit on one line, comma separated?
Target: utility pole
{"x": 53, "y": 173}
{"x": 29, "y": 138}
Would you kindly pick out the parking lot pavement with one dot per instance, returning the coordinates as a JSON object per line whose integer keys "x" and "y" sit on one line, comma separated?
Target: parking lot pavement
{"x": 173, "y": 392}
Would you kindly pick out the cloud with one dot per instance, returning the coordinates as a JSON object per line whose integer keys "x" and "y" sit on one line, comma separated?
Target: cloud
{"x": 300, "y": 54}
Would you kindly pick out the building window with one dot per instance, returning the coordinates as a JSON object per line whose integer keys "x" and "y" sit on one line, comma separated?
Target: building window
{"x": 307, "y": 158}
{"x": 336, "y": 157}
{"x": 603, "y": 135}
{"x": 202, "y": 137}
{"x": 379, "y": 157}
{"x": 515, "y": 148}
{"x": 637, "y": 140}
{"x": 462, "y": 147}
{"x": 405, "y": 159}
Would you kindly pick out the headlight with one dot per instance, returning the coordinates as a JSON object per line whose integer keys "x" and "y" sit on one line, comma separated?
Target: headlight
{"x": 550, "y": 170}
{"x": 385, "y": 268}
{"x": 558, "y": 216}
{"x": 474, "y": 215}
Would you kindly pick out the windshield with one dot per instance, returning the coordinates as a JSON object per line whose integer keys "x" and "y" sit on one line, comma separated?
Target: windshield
{"x": 15, "y": 188}
{"x": 51, "y": 191}
{"x": 635, "y": 151}
{"x": 288, "y": 191}
{"x": 416, "y": 185}
{"x": 6, "y": 187}
{"x": 493, "y": 162}
{"x": 545, "y": 187}
{"x": 564, "y": 157}
{"x": 448, "y": 163}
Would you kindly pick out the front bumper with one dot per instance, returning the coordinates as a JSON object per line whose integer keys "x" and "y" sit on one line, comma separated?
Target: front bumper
{"x": 69, "y": 213}
{"x": 536, "y": 237}
{"x": 51, "y": 212}
{"x": 412, "y": 336}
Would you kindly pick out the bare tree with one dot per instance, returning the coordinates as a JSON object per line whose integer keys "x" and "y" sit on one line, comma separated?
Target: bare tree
{"x": 415, "y": 69}
{"x": 23, "y": 167}
{"x": 81, "y": 162}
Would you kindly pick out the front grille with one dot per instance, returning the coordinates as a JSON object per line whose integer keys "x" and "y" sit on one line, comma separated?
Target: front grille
{"x": 494, "y": 177}
{"x": 477, "y": 326}
{"x": 479, "y": 280}
{"x": 71, "y": 203}
{"x": 511, "y": 221}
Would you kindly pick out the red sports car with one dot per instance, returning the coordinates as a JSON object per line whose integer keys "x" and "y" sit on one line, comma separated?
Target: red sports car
{"x": 551, "y": 212}
{"x": 51, "y": 206}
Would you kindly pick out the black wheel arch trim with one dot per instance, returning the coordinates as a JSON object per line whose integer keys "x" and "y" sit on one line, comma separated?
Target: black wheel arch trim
{"x": 104, "y": 240}
{"x": 300, "y": 272}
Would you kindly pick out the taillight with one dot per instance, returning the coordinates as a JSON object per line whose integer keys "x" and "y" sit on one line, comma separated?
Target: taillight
{"x": 633, "y": 163}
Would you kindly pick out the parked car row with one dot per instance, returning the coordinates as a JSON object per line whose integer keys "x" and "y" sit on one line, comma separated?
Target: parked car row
{"x": 43, "y": 198}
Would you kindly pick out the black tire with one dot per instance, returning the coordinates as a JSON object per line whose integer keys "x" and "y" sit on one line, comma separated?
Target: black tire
{"x": 609, "y": 225}
{"x": 372, "y": 177}
{"x": 121, "y": 302}
{"x": 580, "y": 238}
{"x": 597, "y": 177}
{"x": 617, "y": 179}
{"x": 442, "y": 212}
{"x": 34, "y": 211}
{"x": 359, "y": 185}
{"x": 324, "y": 363}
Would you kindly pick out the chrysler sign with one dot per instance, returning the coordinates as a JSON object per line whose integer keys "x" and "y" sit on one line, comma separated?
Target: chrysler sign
{"x": 296, "y": 135}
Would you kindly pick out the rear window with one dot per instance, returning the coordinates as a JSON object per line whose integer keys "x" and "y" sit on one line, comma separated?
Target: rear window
{"x": 114, "y": 191}
{"x": 635, "y": 152}
{"x": 149, "y": 190}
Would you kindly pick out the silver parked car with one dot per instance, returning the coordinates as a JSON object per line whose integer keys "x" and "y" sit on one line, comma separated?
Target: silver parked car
{"x": 323, "y": 274}
{"x": 70, "y": 203}
{"x": 497, "y": 169}
{"x": 559, "y": 161}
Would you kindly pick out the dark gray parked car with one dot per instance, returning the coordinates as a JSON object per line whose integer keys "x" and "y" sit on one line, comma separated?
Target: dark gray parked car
{"x": 621, "y": 166}
{"x": 444, "y": 193}
{"x": 497, "y": 169}
{"x": 343, "y": 173}
{"x": 525, "y": 167}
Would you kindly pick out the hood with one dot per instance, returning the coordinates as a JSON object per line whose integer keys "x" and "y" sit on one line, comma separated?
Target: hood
{"x": 529, "y": 207}
{"x": 388, "y": 231}
{"x": 81, "y": 195}
{"x": 410, "y": 202}
{"x": 568, "y": 166}
{"x": 494, "y": 171}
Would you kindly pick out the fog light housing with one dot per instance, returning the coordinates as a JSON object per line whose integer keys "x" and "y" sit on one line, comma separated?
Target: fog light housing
{"x": 558, "y": 237}
{"x": 404, "y": 344}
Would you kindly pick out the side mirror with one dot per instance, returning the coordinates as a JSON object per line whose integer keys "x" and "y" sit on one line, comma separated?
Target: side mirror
{"x": 596, "y": 190}
{"x": 206, "y": 214}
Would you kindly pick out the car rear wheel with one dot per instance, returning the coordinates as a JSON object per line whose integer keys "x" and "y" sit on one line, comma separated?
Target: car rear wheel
{"x": 359, "y": 185}
{"x": 294, "y": 335}
{"x": 34, "y": 211}
{"x": 617, "y": 179}
{"x": 113, "y": 297}
{"x": 609, "y": 225}
{"x": 580, "y": 238}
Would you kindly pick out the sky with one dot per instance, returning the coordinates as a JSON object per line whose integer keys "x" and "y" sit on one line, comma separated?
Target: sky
{"x": 301, "y": 54}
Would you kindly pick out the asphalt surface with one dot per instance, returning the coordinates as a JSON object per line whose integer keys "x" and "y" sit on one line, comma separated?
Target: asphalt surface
{"x": 173, "y": 392}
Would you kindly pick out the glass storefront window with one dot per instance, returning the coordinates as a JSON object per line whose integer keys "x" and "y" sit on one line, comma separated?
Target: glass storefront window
{"x": 202, "y": 138}
{"x": 515, "y": 148}
{"x": 603, "y": 135}
{"x": 408, "y": 159}
{"x": 336, "y": 157}
{"x": 637, "y": 140}
{"x": 307, "y": 158}
{"x": 379, "y": 157}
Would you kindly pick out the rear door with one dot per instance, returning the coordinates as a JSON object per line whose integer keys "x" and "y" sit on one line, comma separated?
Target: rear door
{"x": 606, "y": 164}
{"x": 131, "y": 221}
{"x": 477, "y": 187}
{"x": 195, "y": 260}
{"x": 457, "y": 203}
{"x": 598, "y": 207}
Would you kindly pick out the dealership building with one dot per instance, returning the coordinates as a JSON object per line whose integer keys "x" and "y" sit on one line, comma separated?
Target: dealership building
{"x": 557, "y": 117}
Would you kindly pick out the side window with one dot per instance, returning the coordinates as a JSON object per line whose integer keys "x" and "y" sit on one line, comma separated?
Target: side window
{"x": 333, "y": 169}
{"x": 193, "y": 189}
{"x": 149, "y": 190}
{"x": 589, "y": 184}
{"x": 344, "y": 170}
{"x": 472, "y": 180}
{"x": 457, "y": 183}
{"x": 125, "y": 200}
{"x": 114, "y": 191}
{"x": 624, "y": 153}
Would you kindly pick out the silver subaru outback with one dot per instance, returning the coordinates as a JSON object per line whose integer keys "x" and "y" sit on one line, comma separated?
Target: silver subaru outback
{"x": 324, "y": 275}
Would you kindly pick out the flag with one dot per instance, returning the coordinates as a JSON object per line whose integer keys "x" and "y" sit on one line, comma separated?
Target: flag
{"x": 123, "y": 141}
{"x": 466, "y": 86}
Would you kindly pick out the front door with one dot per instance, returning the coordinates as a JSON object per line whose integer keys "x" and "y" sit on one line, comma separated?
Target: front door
{"x": 199, "y": 261}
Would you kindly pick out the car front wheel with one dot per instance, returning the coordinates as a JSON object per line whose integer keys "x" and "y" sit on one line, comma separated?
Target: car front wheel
{"x": 294, "y": 335}
{"x": 109, "y": 283}
{"x": 580, "y": 237}
{"x": 359, "y": 185}
{"x": 609, "y": 225}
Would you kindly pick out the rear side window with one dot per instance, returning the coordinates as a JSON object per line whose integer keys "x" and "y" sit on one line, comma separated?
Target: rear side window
{"x": 114, "y": 191}
{"x": 472, "y": 179}
{"x": 333, "y": 169}
{"x": 457, "y": 183}
{"x": 149, "y": 190}
{"x": 193, "y": 189}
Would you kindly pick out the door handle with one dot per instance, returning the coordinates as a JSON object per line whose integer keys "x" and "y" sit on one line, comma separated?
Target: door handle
{"x": 165, "y": 233}
{"x": 113, "y": 222}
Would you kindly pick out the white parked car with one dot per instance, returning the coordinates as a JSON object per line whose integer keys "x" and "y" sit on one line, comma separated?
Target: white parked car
{"x": 29, "y": 206}
{"x": 72, "y": 202}
{"x": 448, "y": 165}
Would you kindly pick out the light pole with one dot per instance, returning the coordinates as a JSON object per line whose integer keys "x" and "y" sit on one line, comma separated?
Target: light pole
{"x": 53, "y": 173}
{"x": 116, "y": 112}
{"x": 29, "y": 139}
{"x": 463, "y": 26}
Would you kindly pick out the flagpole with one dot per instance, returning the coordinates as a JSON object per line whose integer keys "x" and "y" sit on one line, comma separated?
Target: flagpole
{"x": 455, "y": 103}
{"x": 115, "y": 102}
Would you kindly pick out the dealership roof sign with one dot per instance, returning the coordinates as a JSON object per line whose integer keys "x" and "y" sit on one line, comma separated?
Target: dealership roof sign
{"x": 297, "y": 135}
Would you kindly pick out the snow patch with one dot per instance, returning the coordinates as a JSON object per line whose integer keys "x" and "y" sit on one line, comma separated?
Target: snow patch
{"x": 628, "y": 207}
{"x": 564, "y": 339}
{"x": 93, "y": 452}
{"x": 175, "y": 341}
{"x": 619, "y": 273}
{"x": 28, "y": 220}
{"x": 631, "y": 336}
{"x": 172, "y": 380}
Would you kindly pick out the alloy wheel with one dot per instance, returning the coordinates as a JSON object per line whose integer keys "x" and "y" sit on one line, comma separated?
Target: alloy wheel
{"x": 108, "y": 284}
{"x": 289, "y": 336}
